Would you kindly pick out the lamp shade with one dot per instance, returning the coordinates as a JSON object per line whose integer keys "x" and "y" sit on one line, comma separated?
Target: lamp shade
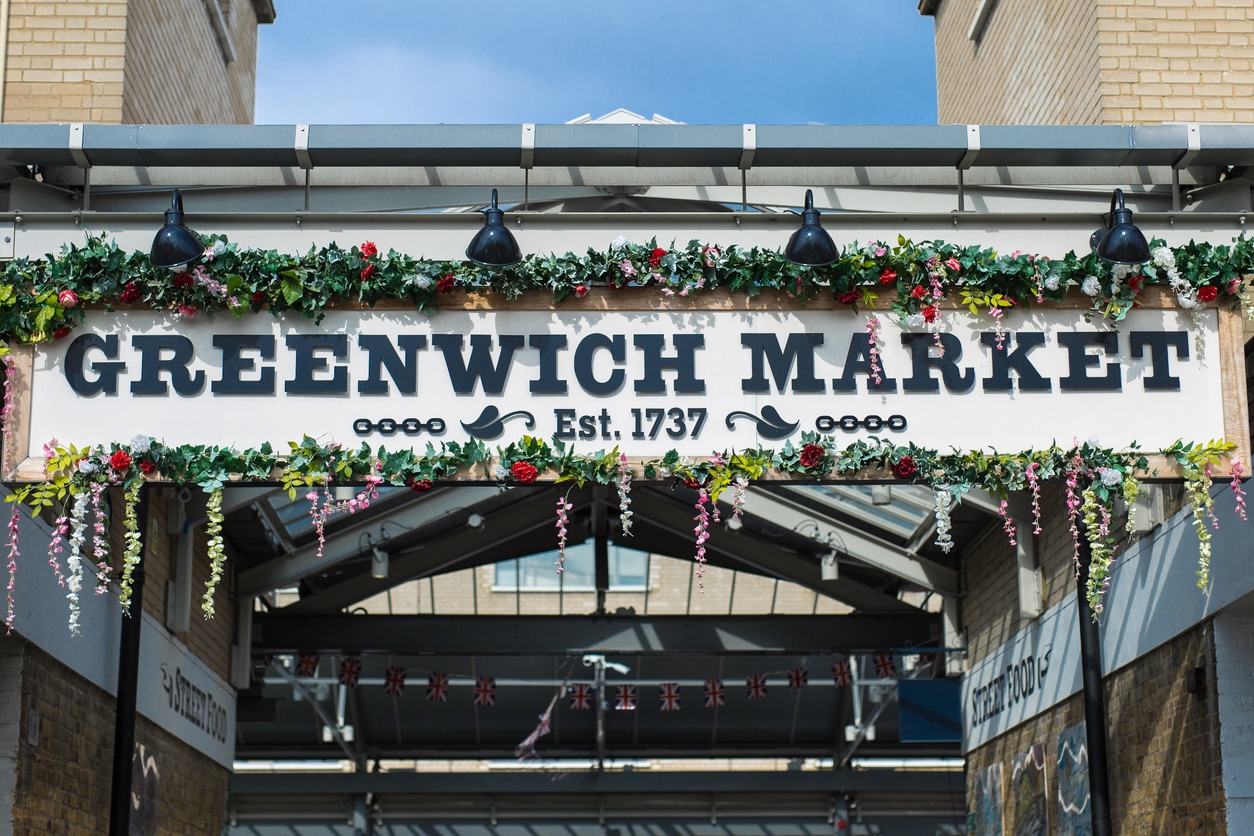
{"x": 494, "y": 245}
{"x": 811, "y": 245}
{"x": 1120, "y": 242}
{"x": 175, "y": 244}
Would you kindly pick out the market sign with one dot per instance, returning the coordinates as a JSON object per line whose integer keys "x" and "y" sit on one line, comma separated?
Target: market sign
{"x": 693, "y": 380}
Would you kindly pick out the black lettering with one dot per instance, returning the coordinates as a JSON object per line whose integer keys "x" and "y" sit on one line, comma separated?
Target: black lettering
{"x": 106, "y": 373}
{"x": 682, "y": 362}
{"x": 799, "y": 350}
{"x": 152, "y": 364}
{"x": 233, "y": 364}
{"x": 617, "y": 346}
{"x": 587, "y": 426}
{"x": 1030, "y": 379}
{"x": 463, "y": 375}
{"x": 1158, "y": 341}
{"x": 548, "y": 383}
{"x": 404, "y": 373}
{"x": 1080, "y": 361}
{"x": 921, "y": 380}
{"x": 858, "y": 361}
{"x": 306, "y": 364}
{"x": 565, "y": 428}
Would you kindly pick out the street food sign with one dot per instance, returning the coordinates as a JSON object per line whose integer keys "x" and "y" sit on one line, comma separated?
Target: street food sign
{"x": 694, "y": 380}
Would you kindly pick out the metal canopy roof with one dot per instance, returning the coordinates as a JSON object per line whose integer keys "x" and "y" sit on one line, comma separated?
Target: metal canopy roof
{"x": 622, "y": 145}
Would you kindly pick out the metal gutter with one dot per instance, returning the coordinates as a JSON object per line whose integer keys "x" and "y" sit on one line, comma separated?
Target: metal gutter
{"x": 626, "y": 145}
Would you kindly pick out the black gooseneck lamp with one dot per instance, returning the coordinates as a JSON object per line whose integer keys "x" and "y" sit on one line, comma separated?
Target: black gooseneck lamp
{"x": 811, "y": 246}
{"x": 494, "y": 245}
{"x": 1120, "y": 242}
{"x": 175, "y": 244}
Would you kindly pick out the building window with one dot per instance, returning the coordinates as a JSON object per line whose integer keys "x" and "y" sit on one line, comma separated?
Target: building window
{"x": 538, "y": 572}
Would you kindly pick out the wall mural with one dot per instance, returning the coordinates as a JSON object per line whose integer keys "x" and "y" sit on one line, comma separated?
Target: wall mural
{"x": 986, "y": 797}
{"x": 1027, "y": 792}
{"x": 1074, "y": 818}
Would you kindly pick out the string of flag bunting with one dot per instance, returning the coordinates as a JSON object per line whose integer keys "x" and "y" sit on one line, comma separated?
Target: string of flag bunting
{"x": 622, "y": 696}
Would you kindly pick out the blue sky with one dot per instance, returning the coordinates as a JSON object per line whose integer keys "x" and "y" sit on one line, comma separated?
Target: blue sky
{"x": 696, "y": 61}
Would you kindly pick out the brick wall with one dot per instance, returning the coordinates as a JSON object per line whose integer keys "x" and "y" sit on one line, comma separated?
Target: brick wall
{"x": 990, "y": 609}
{"x": 65, "y": 62}
{"x": 175, "y": 70}
{"x": 1163, "y": 745}
{"x": 1176, "y": 60}
{"x": 1037, "y": 63}
{"x": 64, "y": 771}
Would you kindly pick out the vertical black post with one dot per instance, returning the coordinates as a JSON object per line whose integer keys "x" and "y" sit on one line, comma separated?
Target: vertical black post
{"x": 128, "y": 685}
{"x": 1094, "y": 699}
{"x": 601, "y": 545}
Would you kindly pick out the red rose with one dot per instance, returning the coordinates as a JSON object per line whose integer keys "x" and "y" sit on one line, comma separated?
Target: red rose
{"x": 524, "y": 472}
{"x": 368, "y": 249}
{"x": 888, "y": 275}
{"x": 148, "y": 467}
{"x": 953, "y": 265}
{"x": 1136, "y": 282}
{"x": 1209, "y": 293}
{"x": 446, "y": 284}
{"x": 904, "y": 468}
{"x": 367, "y": 272}
{"x": 120, "y": 461}
{"x": 61, "y": 333}
{"x": 581, "y": 290}
{"x": 929, "y": 313}
{"x": 67, "y": 298}
{"x": 811, "y": 455}
{"x": 919, "y": 291}
{"x": 130, "y": 294}
{"x": 849, "y": 297}
{"x": 420, "y": 485}
{"x": 692, "y": 483}
{"x": 259, "y": 297}
{"x": 655, "y": 257}
{"x": 183, "y": 280}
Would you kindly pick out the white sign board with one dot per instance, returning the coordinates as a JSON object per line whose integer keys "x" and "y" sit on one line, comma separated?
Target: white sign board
{"x": 696, "y": 381}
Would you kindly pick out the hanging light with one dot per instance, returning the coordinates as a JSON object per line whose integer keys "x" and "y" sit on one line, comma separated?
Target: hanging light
{"x": 1120, "y": 242}
{"x": 494, "y": 245}
{"x": 811, "y": 246}
{"x": 175, "y": 244}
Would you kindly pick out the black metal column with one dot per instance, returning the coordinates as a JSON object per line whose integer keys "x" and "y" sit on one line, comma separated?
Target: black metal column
{"x": 128, "y": 685}
{"x": 1094, "y": 700}
{"x": 601, "y": 545}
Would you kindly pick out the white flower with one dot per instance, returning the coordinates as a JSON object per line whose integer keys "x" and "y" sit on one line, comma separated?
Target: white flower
{"x": 423, "y": 282}
{"x": 1051, "y": 281}
{"x": 1164, "y": 258}
{"x": 140, "y": 444}
{"x": 1091, "y": 286}
{"x": 87, "y": 466}
{"x": 1187, "y": 300}
{"x": 218, "y": 248}
{"x": 915, "y": 320}
{"x": 620, "y": 241}
{"x": 501, "y": 472}
{"x": 1094, "y": 441}
{"x": 1110, "y": 476}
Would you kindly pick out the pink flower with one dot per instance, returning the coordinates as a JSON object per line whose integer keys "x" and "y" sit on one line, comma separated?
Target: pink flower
{"x": 953, "y": 265}
{"x": 67, "y": 298}
{"x": 879, "y": 252}
{"x": 627, "y": 268}
{"x": 581, "y": 290}
{"x": 187, "y": 310}
{"x": 711, "y": 255}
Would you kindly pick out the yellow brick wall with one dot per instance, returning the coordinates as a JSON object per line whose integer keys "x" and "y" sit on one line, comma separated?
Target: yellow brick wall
{"x": 65, "y": 62}
{"x": 1163, "y": 745}
{"x": 1037, "y": 63}
{"x": 175, "y": 70}
{"x": 1176, "y": 60}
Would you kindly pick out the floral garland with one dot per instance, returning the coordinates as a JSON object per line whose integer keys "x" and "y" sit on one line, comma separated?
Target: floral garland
{"x": 217, "y": 549}
{"x": 44, "y": 299}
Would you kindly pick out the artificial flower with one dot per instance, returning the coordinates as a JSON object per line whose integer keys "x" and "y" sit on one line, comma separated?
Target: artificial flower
{"x": 888, "y": 275}
{"x": 904, "y": 468}
{"x": 184, "y": 279}
{"x": 120, "y": 461}
{"x": 581, "y": 290}
{"x": 130, "y": 294}
{"x": 446, "y": 283}
{"x": 929, "y": 313}
{"x": 1091, "y": 286}
{"x": 187, "y": 310}
{"x": 627, "y": 268}
{"x": 420, "y": 485}
{"x": 147, "y": 467}
{"x": 620, "y": 241}
{"x": 367, "y": 272}
{"x": 952, "y": 264}
{"x": 849, "y": 297}
{"x": 368, "y": 249}
{"x": 67, "y": 298}
{"x": 259, "y": 296}
{"x": 140, "y": 444}
{"x": 811, "y": 455}
{"x": 1209, "y": 293}
{"x": 61, "y": 333}
{"x": 919, "y": 291}
{"x": 524, "y": 472}
{"x": 692, "y": 483}
{"x": 655, "y": 257}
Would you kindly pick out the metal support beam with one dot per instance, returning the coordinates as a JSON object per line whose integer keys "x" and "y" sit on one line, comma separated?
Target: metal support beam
{"x": 560, "y": 635}
{"x": 1094, "y": 696}
{"x": 896, "y": 561}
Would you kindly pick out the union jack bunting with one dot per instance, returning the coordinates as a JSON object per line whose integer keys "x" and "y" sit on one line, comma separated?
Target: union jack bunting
{"x": 350, "y": 671}
{"x": 755, "y": 685}
{"x": 625, "y": 698}
{"x": 485, "y": 691}
{"x": 842, "y": 673}
{"x": 307, "y": 664}
{"x": 670, "y": 696}
{"x": 437, "y": 687}
{"x": 798, "y": 678}
{"x": 546, "y": 725}
{"x": 394, "y": 681}
{"x": 581, "y": 696}
{"x": 714, "y": 693}
{"x": 884, "y": 667}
